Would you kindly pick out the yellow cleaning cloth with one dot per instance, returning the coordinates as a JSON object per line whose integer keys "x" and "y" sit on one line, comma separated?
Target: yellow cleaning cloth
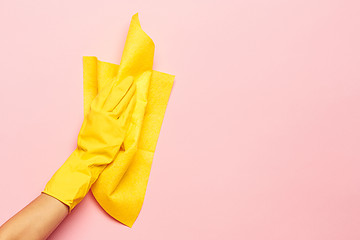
{"x": 120, "y": 188}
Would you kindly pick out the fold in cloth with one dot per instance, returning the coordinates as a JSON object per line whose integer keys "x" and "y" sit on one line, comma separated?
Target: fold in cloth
{"x": 120, "y": 188}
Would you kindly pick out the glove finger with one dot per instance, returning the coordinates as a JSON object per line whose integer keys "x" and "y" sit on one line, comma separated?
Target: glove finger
{"x": 119, "y": 90}
{"x": 99, "y": 101}
{"x": 126, "y": 116}
{"x": 119, "y": 109}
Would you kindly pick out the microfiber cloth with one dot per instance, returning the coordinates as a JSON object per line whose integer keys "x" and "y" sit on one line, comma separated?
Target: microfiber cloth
{"x": 120, "y": 188}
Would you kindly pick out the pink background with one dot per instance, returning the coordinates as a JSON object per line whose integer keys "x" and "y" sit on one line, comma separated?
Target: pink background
{"x": 261, "y": 135}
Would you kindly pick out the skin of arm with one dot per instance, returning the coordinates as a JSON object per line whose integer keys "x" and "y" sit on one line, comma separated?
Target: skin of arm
{"x": 36, "y": 221}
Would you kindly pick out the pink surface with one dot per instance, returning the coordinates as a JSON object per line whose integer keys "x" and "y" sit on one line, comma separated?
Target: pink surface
{"x": 261, "y": 136}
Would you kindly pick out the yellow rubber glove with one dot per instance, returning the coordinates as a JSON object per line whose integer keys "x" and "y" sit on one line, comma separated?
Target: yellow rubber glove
{"x": 120, "y": 188}
{"x": 101, "y": 136}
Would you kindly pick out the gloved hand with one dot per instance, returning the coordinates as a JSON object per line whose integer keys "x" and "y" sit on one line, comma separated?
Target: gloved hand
{"x": 99, "y": 141}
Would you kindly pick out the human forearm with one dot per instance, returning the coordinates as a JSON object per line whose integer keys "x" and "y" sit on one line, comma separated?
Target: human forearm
{"x": 36, "y": 221}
